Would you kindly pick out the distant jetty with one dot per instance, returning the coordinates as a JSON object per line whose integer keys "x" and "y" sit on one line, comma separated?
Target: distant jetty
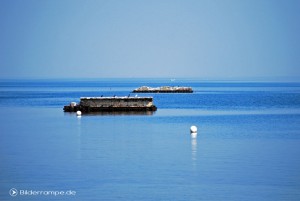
{"x": 163, "y": 89}
{"x": 112, "y": 104}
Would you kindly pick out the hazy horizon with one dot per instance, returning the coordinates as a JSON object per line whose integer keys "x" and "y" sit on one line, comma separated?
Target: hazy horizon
{"x": 165, "y": 79}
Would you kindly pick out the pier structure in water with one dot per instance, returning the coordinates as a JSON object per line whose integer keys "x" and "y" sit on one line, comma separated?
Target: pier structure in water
{"x": 163, "y": 89}
{"x": 112, "y": 104}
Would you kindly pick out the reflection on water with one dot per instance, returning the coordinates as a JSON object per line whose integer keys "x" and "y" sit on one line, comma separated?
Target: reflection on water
{"x": 79, "y": 125}
{"x": 78, "y": 137}
{"x": 194, "y": 147}
{"x": 118, "y": 113}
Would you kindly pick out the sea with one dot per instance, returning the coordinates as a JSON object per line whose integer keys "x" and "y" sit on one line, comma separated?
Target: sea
{"x": 247, "y": 145}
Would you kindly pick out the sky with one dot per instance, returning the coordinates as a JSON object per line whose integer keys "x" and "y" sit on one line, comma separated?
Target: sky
{"x": 149, "y": 38}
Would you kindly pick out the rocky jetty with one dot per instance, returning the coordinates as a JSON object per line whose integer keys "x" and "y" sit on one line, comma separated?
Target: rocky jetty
{"x": 111, "y": 104}
{"x": 163, "y": 89}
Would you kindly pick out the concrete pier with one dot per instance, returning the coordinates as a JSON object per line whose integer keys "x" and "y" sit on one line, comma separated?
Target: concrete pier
{"x": 163, "y": 89}
{"x": 112, "y": 104}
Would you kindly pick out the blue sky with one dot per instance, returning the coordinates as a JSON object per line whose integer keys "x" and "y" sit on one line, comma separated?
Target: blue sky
{"x": 164, "y": 38}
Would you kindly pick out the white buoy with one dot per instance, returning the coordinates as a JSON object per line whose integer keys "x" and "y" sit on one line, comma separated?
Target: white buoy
{"x": 78, "y": 113}
{"x": 193, "y": 129}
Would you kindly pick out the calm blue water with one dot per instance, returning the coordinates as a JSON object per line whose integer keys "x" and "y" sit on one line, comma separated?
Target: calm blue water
{"x": 247, "y": 148}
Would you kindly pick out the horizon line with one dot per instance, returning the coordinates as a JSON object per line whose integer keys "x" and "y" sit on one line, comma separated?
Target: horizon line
{"x": 207, "y": 78}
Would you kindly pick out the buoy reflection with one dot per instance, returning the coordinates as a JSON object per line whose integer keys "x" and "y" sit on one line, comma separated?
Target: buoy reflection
{"x": 194, "y": 146}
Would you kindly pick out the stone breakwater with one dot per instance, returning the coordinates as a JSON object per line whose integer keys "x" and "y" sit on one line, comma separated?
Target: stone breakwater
{"x": 163, "y": 89}
{"x": 111, "y": 104}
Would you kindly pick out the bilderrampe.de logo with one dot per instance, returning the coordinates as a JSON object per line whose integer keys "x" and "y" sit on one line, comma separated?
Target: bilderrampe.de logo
{"x": 14, "y": 192}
